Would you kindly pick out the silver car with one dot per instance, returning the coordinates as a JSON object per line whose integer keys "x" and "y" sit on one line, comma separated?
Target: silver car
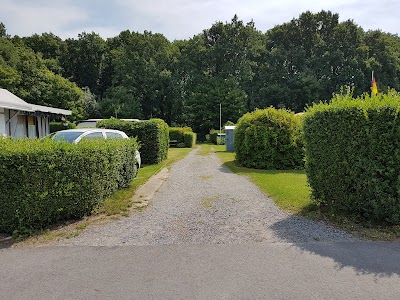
{"x": 76, "y": 135}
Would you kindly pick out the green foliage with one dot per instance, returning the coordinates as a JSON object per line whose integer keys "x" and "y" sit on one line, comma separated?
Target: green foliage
{"x": 43, "y": 182}
{"x": 189, "y": 139}
{"x": 25, "y": 74}
{"x": 203, "y": 105}
{"x": 184, "y": 136}
{"x": 3, "y": 31}
{"x": 353, "y": 155}
{"x": 213, "y": 136}
{"x": 57, "y": 126}
{"x": 143, "y": 75}
{"x": 152, "y": 136}
{"x": 138, "y": 78}
{"x": 269, "y": 139}
{"x": 215, "y": 139}
{"x": 83, "y": 59}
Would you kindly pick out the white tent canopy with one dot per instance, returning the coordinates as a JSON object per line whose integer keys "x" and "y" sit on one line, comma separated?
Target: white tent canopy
{"x": 10, "y": 101}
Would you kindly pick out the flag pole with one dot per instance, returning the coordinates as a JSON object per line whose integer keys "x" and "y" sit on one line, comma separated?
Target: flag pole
{"x": 220, "y": 118}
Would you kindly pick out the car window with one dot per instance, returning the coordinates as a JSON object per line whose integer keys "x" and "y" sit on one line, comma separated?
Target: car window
{"x": 93, "y": 135}
{"x": 114, "y": 135}
{"x": 67, "y": 136}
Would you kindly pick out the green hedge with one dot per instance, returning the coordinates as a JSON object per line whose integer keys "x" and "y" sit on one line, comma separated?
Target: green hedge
{"x": 43, "y": 182}
{"x": 57, "y": 126}
{"x": 269, "y": 139}
{"x": 152, "y": 135}
{"x": 189, "y": 139}
{"x": 353, "y": 156}
{"x": 213, "y": 136}
{"x": 184, "y": 136}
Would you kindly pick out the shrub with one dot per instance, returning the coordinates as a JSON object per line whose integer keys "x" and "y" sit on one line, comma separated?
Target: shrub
{"x": 269, "y": 139}
{"x": 183, "y": 135}
{"x": 152, "y": 135}
{"x": 43, "y": 182}
{"x": 353, "y": 156}
{"x": 215, "y": 139}
{"x": 189, "y": 139}
{"x": 213, "y": 136}
{"x": 57, "y": 126}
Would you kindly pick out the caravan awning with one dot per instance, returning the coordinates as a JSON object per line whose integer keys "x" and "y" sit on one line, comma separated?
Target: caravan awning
{"x": 10, "y": 101}
{"x": 52, "y": 110}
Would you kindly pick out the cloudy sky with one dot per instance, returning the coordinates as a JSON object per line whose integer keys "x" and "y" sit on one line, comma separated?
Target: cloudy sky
{"x": 180, "y": 19}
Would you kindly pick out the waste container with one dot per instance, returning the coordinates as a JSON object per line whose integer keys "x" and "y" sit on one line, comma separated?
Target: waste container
{"x": 229, "y": 138}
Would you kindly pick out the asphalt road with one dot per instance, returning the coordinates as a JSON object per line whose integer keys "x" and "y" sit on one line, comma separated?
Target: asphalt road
{"x": 353, "y": 270}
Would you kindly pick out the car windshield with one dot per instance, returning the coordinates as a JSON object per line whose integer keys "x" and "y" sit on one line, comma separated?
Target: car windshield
{"x": 67, "y": 136}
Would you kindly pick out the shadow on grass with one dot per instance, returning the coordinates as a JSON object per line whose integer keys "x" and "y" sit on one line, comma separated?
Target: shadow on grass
{"x": 308, "y": 231}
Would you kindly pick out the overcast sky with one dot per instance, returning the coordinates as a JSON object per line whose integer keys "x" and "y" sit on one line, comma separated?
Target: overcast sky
{"x": 180, "y": 19}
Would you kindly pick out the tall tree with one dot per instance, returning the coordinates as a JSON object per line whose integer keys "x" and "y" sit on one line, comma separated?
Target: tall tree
{"x": 25, "y": 74}
{"x": 3, "y": 31}
{"x": 82, "y": 60}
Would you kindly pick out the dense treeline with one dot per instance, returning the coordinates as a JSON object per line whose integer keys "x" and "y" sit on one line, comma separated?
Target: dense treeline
{"x": 136, "y": 75}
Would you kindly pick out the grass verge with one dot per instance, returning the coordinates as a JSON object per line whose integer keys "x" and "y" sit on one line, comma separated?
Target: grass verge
{"x": 112, "y": 208}
{"x": 290, "y": 191}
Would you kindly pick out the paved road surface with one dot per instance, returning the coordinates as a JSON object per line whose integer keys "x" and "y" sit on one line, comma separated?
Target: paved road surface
{"x": 208, "y": 234}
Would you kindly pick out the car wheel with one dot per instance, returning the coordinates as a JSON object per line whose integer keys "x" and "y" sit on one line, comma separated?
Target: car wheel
{"x": 135, "y": 170}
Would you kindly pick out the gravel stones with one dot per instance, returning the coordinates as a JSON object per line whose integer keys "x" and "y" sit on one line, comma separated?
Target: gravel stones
{"x": 202, "y": 202}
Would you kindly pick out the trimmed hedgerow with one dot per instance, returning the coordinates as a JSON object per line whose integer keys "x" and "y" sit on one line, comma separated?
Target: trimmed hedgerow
{"x": 184, "y": 136}
{"x": 353, "y": 156}
{"x": 57, "y": 126}
{"x": 189, "y": 139}
{"x": 269, "y": 139}
{"x": 152, "y": 135}
{"x": 43, "y": 182}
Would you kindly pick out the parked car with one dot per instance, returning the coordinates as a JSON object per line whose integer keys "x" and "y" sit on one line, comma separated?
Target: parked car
{"x": 91, "y": 123}
{"x": 76, "y": 135}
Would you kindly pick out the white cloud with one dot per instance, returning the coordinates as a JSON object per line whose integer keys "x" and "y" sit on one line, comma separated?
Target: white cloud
{"x": 27, "y": 17}
{"x": 179, "y": 19}
{"x": 185, "y": 18}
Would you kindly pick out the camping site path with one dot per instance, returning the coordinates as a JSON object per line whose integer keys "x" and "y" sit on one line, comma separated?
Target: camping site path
{"x": 203, "y": 202}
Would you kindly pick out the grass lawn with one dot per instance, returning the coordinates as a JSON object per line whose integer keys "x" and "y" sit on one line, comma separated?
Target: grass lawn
{"x": 290, "y": 191}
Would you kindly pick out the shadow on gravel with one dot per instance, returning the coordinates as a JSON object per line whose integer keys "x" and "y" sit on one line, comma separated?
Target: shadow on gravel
{"x": 225, "y": 169}
{"x": 5, "y": 241}
{"x": 366, "y": 257}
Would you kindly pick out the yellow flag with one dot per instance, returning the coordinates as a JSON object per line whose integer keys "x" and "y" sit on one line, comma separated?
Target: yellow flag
{"x": 374, "y": 86}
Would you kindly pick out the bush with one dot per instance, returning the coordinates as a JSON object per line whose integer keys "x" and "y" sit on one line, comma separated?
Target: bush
{"x": 57, "y": 126}
{"x": 183, "y": 135}
{"x": 152, "y": 135}
{"x": 269, "y": 139}
{"x": 189, "y": 139}
{"x": 215, "y": 139}
{"x": 43, "y": 182}
{"x": 353, "y": 156}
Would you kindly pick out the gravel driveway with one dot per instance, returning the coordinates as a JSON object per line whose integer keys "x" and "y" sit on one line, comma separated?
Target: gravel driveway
{"x": 203, "y": 202}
